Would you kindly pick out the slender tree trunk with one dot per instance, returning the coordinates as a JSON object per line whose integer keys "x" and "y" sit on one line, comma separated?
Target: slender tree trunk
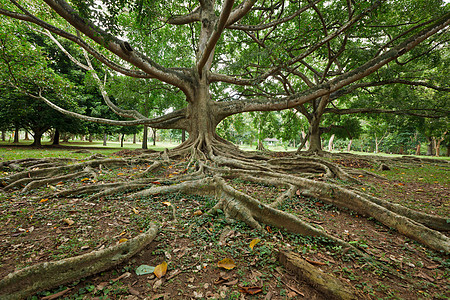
{"x": 260, "y": 146}
{"x": 154, "y": 136}
{"x": 134, "y": 138}
{"x": 349, "y": 146}
{"x": 430, "y": 148}
{"x": 3, "y": 135}
{"x": 56, "y": 137}
{"x": 448, "y": 150}
{"x": 16, "y": 135}
{"x": 121, "y": 140}
{"x": 27, "y": 138}
{"x": 183, "y": 136}
{"x": 418, "y": 149}
{"x": 91, "y": 138}
{"x": 144, "y": 138}
{"x": 330, "y": 143}
{"x": 105, "y": 138}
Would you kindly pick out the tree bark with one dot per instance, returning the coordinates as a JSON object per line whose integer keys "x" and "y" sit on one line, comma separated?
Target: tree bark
{"x": 16, "y": 135}
{"x": 183, "y": 136}
{"x": 37, "y": 138}
{"x": 430, "y": 148}
{"x": 134, "y": 138}
{"x": 121, "y": 140}
{"x": 144, "y": 138}
{"x": 330, "y": 143}
{"x": 27, "y": 138}
{"x": 91, "y": 138}
{"x": 154, "y": 136}
{"x": 418, "y": 149}
{"x": 56, "y": 137}
{"x": 3, "y": 135}
{"x": 105, "y": 138}
{"x": 315, "y": 143}
{"x": 349, "y": 147}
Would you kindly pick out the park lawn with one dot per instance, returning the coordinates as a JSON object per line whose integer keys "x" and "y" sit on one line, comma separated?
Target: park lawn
{"x": 37, "y": 227}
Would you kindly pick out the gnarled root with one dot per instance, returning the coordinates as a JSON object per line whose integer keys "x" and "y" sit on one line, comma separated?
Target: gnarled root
{"x": 26, "y": 282}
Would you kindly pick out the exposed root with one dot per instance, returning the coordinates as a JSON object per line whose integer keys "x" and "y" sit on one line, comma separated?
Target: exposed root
{"x": 26, "y": 282}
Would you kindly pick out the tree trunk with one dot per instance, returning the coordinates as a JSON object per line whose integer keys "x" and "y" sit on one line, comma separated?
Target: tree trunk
{"x": 418, "y": 149}
{"x": 121, "y": 140}
{"x": 105, "y": 138}
{"x": 145, "y": 137}
{"x": 349, "y": 147}
{"x": 16, "y": 135}
{"x": 260, "y": 146}
{"x": 330, "y": 143}
{"x": 91, "y": 138}
{"x": 154, "y": 136}
{"x": 27, "y": 138}
{"x": 448, "y": 150}
{"x": 315, "y": 143}
{"x": 183, "y": 136}
{"x": 430, "y": 149}
{"x": 56, "y": 137}
{"x": 37, "y": 138}
{"x": 3, "y": 135}
{"x": 134, "y": 138}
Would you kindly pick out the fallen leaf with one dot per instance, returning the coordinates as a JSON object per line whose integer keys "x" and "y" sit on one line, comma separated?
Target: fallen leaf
{"x": 156, "y": 182}
{"x": 144, "y": 269}
{"x": 84, "y": 179}
{"x": 226, "y": 263}
{"x": 122, "y": 240}
{"x": 69, "y": 221}
{"x": 254, "y": 242}
{"x": 157, "y": 284}
{"x": 101, "y": 285}
{"x": 44, "y": 200}
{"x": 230, "y": 283}
{"x": 433, "y": 266}
{"x": 160, "y": 269}
{"x": 222, "y": 279}
{"x": 135, "y": 211}
{"x": 120, "y": 174}
{"x": 198, "y": 213}
{"x": 166, "y": 203}
{"x": 313, "y": 262}
{"x": 250, "y": 290}
{"x": 133, "y": 291}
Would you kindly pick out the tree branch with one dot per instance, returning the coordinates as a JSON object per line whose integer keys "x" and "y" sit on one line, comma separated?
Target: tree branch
{"x": 214, "y": 38}
{"x": 240, "y": 11}
{"x": 192, "y": 17}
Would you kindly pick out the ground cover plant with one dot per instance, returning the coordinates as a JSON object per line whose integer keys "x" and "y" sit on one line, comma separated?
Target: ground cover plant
{"x": 105, "y": 207}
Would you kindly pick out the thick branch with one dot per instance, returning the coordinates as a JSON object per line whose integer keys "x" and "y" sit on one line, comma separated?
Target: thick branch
{"x": 240, "y": 11}
{"x": 192, "y": 17}
{"x": 214, "y": 38}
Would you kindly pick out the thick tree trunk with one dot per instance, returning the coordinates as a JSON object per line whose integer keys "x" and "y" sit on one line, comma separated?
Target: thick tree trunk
{"x": 16, "y": 135}
{"x": 315, "y": 143}
{"x": 105, "y": 138}
{"x": 448, "y": 150}
{"x": 430, "y": 148}
{"x": 37, "y": 139}
{"x": 145, "y": 138}
{"x": 56, "y": 137}
{"x": 260, "y": 146}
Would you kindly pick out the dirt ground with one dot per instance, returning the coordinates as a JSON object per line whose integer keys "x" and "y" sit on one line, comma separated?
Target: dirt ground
{"x": 36, "y": 228}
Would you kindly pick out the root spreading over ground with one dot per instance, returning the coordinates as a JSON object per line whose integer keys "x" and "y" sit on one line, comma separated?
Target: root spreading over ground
{"x": 217, "y": 170}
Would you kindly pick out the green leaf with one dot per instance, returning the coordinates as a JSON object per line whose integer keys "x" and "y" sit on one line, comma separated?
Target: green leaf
{"x": 144, "y": 269}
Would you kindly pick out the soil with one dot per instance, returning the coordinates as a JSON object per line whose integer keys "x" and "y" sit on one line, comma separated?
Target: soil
{"x": 36, "y": 228}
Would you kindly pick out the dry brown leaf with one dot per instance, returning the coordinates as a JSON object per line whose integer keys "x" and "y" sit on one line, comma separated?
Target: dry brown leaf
{"x": 166, "y": 203}
{"x": 313, "y": 262}
{"x": 157, "y": 284}
{"x": 101, "y": 285}
{"x": 230, "y": 283}
{"x": 198, "y": 213}
{"x": 124, "y": 275}
{"x": 133, "y": 291}
{"x": 226, "y": 263}
{"x": 250, "y": 290}
{"x": 160, "y": 270}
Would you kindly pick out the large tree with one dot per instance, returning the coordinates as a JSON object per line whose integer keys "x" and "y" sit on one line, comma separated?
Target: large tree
{"x": 227, "y": 58}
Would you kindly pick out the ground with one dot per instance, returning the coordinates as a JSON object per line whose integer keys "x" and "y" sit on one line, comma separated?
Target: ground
{"x": 37, "y": 227}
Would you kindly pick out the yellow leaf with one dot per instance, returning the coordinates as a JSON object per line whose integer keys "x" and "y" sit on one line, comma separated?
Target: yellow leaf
{"x": 226, "y": 263}
{"x": 198, "y": 213}
{"x": 123, "y": 240}
{"x": 160, "y": 270}
{"x": 135, "y": 211}
{"x": 84, "y": 179}
{"x": 120, "y": 174}
{"x": 254, "y": 242}
{"x": 167, "y": 203}
{"x": 44, "y": 200}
